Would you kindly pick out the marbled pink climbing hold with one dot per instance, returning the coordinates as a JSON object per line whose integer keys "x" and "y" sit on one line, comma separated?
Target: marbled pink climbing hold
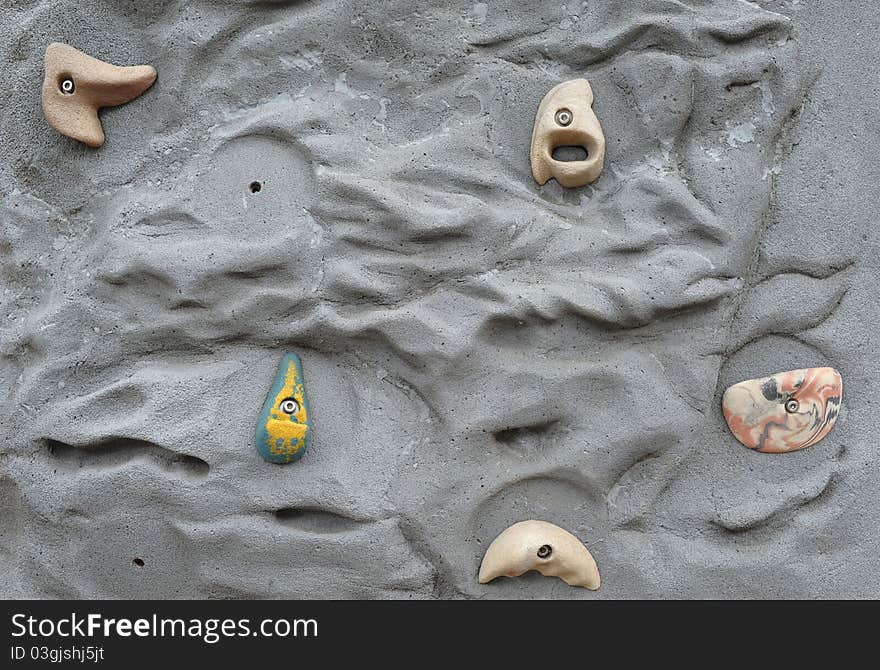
{"x": 784, "y": 412}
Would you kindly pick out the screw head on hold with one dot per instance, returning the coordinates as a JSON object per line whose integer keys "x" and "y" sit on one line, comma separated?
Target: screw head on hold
{"x": 564, "y": 117}
{"x": 67, "y": 86}
{"x": 792, "y": 406}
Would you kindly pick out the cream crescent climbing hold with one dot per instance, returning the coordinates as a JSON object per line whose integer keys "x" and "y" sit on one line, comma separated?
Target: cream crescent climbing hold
{"x": 283, "y": 427}
{"x": 784, "y": 412}
{"x": 541, "y": 546}
{"x": 566, "y": 118}
{"x": 76, "y": 86}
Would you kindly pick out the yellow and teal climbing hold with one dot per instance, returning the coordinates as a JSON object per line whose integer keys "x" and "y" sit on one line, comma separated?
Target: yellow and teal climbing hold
{"x": 283, "y": 428}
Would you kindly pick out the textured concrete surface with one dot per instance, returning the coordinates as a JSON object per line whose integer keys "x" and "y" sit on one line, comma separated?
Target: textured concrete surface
{"x": 477, "y": 350}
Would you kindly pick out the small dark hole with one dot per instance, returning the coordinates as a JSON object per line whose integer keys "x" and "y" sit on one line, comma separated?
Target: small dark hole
{"x": 544, "y": 551}
{"x": 255, "y": 186}
{"x": 138, "y": 562}
{"x": 569, "y": 154}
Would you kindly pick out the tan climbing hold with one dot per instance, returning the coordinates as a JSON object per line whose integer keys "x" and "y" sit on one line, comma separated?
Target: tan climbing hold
{"x": 76, "y": 86}
{"x": 566, "y": 118}
{"x": 541, "y": 546}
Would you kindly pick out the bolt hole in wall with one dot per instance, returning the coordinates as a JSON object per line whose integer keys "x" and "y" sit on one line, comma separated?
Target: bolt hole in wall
{"x": 569, "y": 154}
{"x": 255, "y": 187}
{"x": 139, "y": 562}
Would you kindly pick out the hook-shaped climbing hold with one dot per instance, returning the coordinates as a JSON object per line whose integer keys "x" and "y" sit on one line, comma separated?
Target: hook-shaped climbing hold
{"x": 76, "y": 86}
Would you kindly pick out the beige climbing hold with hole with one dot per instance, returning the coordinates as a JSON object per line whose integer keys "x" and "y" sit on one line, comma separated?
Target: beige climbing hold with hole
{"x": 76, "y": 86}
{"x": 541, "y": 546}
{"x": 566, "y": 118}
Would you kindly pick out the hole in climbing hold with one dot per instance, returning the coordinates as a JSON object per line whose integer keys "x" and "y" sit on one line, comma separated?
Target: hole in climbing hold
{"x": 255, "y": 187}
{"x": 138, "y": 562}
{"x": 564, "y": 116}
{"x": 569, "y": 154}
{"x": 544, "y": 551}
{"x": 67, "y": 86}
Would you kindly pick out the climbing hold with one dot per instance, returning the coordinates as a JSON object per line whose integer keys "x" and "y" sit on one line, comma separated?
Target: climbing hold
{"x": 76, "y": 86}
{"x": 566, "y": 118}
{"x": 784, "y": 412}
{"x": 541, "y": 546}
{"x": 283, "y": 428}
